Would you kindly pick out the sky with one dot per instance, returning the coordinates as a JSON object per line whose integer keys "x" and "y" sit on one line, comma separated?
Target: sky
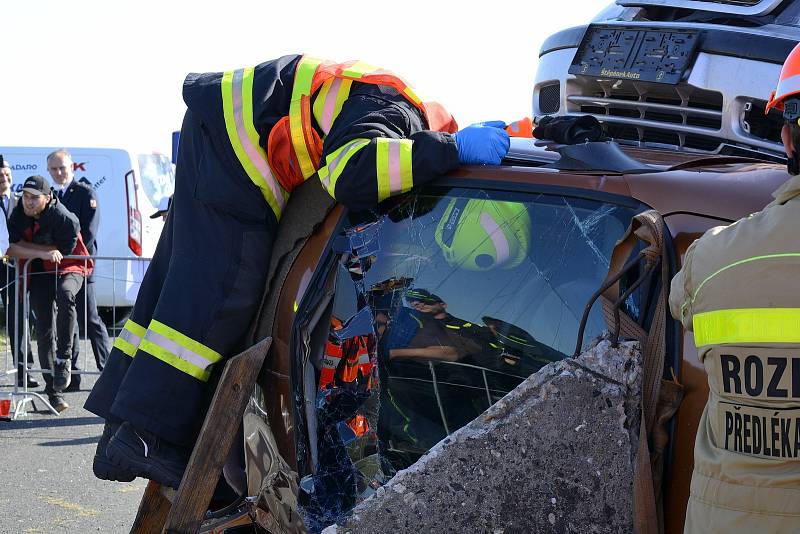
{"x": 86, "y": 73}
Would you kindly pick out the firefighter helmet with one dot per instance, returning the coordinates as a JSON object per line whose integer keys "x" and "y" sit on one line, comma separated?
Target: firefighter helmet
{"x": 789, "y": 81}
{"x": 480, "y": 234}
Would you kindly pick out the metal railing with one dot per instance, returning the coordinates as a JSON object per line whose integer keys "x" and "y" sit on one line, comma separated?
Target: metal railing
{"x": 18, "y": 326}
{"x": 436, "y": 382}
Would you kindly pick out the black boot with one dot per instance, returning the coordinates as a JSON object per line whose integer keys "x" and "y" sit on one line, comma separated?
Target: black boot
{"x": 148, "y": 456}
{"x": 102, "y": 467}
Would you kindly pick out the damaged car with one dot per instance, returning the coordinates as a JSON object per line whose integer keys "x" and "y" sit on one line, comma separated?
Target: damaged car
{"x": 395, "y": 327}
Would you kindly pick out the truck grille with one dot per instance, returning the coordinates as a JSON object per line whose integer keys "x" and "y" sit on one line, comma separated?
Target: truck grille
{"x": 550, "y": 97}
{"x": 681, "y": 116}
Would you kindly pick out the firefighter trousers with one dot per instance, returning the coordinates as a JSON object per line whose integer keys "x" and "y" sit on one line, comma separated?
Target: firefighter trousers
{"x": 196, "y": 303}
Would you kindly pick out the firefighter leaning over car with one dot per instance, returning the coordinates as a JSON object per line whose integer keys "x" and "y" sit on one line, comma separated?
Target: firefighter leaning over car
{"x": 249, "y": 137}
{"x": 738, "y": 293}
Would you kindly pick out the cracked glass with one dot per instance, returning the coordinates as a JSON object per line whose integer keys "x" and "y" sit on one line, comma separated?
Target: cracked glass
{"x": 443, "y": 302}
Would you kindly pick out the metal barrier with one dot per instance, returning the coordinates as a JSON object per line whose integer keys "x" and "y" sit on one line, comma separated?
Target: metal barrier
{"x": 122, "y": 290}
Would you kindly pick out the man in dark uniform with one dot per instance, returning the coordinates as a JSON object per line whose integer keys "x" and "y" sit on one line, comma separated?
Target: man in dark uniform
{"x": 424, "y": 398}
{"x": 8, "y": 201}
{"x": 80, "y": 199}
{"x": 42, "y": 230}
{"x": 249, "y": 137}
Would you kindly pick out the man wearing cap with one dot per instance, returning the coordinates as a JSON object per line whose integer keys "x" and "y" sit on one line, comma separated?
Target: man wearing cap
{"x": 79, "y": 198}
{"x": 439, "y": 335}
{"x": 416, "y": 412}
{"x": 7, "y": 288}
{"x": 41, "y": 229}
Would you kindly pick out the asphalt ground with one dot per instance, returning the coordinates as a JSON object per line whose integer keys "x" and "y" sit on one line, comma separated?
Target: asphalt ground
{"x": 46, "y": 469}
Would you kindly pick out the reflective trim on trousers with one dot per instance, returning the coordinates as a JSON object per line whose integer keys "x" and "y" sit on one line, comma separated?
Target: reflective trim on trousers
{"x": 129, "y": 338}
{"x": 179, "y": 350}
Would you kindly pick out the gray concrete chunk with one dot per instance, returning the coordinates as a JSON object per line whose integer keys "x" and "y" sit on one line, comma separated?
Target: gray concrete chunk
{"x": 554, "y": 455}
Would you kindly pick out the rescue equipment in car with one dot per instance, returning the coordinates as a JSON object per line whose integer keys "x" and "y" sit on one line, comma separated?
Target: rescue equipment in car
{"x": 345, "y": 360}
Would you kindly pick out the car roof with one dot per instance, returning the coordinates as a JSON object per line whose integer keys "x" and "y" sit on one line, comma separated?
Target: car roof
{"x": 719, "y": 187}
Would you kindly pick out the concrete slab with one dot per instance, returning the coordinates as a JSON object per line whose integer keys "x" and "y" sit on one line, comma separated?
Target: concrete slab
{"x": 554, "y": 455}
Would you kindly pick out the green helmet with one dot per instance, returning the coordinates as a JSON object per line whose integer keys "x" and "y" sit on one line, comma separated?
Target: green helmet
{"x": 481, "y": 234}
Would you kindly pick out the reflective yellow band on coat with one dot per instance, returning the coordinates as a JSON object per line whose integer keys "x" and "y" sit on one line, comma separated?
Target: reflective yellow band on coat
{"x": 393, "y": 167}
{"x": 179, "y": 350}
{"x": 237, "y": 106}
{"x": 691, "y": 298}
{"x": 303, "y": 77}
{"x": 747, "y": 325}
{"x": 129, "y": 338}
{"x": 329, "y": 101}
{"x": 336, "y": 162}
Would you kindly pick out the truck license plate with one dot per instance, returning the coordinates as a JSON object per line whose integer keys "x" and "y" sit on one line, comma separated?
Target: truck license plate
{"x": 635, "y": 54}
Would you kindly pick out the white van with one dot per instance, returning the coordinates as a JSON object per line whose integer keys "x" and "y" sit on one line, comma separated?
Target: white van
{"x": 129, "y": 187}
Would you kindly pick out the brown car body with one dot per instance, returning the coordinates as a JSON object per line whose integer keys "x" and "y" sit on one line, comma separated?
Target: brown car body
{"x": 704, "y": 192}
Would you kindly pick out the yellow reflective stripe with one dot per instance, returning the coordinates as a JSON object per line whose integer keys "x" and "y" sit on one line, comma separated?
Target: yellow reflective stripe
{"x": 747, "y": 325}
{"x": 732, "y": 265}
{"x": 329, "y": 101}
{"x": 358, "y": 69}
{"x": 264, "y": 169}
{"x": 170, "y": 359}
{"x": 411, "y": 95}
{"x": 237, "y": 106}
{"x": 393, "y": 167}
{"x": 125, "y": 347}
{"x": 319, "y": 100}
{"x": 185, "y": 341}
{"x": 454, "y": 327}
{"x": 336, "y": 162}
{"x": 134, "y": 328}
{"x": 303, "y": 77}
{"x": 179, "y": 351}
{"x": 129, "y": 338}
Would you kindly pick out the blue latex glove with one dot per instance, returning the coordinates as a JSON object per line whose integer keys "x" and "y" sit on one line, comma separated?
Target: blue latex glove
{"x": 484, "y": 143}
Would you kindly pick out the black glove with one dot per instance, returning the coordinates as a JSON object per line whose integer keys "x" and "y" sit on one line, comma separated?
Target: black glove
{"x": 569, "y": 130}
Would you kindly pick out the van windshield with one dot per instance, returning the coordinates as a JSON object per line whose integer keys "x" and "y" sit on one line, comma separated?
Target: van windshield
{"x": 157, "y": 176}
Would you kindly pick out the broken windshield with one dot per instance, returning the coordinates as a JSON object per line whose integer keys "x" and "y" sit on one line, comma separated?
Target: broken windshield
{"x": 444, "y": 302}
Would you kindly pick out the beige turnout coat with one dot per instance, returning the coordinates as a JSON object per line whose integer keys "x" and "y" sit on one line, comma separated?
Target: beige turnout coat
{"x": 739, "y": 292}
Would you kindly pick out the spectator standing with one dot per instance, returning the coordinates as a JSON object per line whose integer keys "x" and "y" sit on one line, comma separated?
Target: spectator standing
{"x": 43, "y": 230}
{"x": 80, "y": 199}
{"x": 8, "y": 202}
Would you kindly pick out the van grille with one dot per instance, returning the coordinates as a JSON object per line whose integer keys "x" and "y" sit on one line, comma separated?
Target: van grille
{"x": 681, "y": 116}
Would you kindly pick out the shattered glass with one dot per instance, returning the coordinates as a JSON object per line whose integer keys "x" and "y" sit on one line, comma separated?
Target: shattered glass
{"x": 444, "y": 302}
